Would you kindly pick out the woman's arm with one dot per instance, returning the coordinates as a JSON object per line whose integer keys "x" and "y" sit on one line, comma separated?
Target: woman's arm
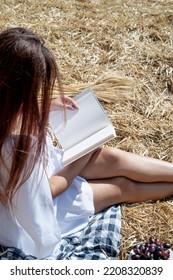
{"x": 63, "y": 179}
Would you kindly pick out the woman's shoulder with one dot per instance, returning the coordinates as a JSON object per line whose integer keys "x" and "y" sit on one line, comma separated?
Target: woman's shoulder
{"x": 11, "y": 143}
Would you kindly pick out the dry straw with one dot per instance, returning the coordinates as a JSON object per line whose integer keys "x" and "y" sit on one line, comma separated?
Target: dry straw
{"x": 92, "y": 42}
{"x": 109, "y": 87}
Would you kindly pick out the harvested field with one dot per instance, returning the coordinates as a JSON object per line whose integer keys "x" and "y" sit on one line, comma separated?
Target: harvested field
{"x": 124, "y": 50}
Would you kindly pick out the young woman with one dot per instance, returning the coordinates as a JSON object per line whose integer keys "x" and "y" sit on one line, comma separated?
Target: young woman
{"x": 40, "y": 201}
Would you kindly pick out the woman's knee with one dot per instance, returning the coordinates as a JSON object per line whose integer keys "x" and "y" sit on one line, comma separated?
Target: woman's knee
{"x": 127, "y": 188}
{"x": 112, "y": 156}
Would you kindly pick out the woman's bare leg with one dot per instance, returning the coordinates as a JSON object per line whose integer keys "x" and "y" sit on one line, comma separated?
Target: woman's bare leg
{"x": 107, "y": 192}
{"x": 111, "y": 162}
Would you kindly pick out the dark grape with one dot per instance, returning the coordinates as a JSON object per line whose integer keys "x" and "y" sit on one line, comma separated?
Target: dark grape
{"x": 135, "y": 257}
{"x": 136, "y": 249}
{"x": 167, "y": 245}
{"x": 157, "y": 253}
{"x": 165, "y": 258}
{"x": 153, "y": 249}
{"x": 158, "y": 248}
{"x": 136, "y": 246}
{"x": 164, "y": 253}
{"x": 142, "y": 248}
{"x": 152, "y": 240}
{"x": 147, "y": 255}
{"x": 157, "y": 241}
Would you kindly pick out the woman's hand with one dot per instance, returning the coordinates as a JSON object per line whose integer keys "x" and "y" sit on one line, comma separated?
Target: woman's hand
{"x": 66, "y": 101}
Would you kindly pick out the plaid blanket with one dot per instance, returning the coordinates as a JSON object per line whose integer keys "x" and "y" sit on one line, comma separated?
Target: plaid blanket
{"x": 98, "y": 241}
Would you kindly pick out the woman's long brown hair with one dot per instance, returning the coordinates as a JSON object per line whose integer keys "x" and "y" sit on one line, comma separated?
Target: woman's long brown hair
{"x": 28, "y": 72}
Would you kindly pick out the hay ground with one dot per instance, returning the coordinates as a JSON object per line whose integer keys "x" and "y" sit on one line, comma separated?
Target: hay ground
{"x": 92, "y": 41}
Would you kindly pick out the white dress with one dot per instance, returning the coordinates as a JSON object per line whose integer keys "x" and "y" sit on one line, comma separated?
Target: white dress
{"x": 36, "y": 223}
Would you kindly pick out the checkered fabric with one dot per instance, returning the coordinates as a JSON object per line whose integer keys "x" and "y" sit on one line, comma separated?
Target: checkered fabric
{"x": 100, "y": 240}
{"x": 12, "y": 253}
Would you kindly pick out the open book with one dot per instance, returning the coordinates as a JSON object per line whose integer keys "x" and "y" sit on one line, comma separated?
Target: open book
{"x": 84, "y": 130}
